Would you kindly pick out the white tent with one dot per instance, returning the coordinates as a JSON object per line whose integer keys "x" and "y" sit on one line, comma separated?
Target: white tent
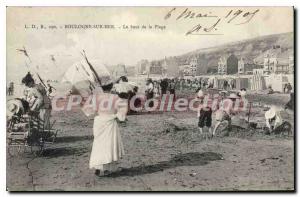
{"x": 83, "y": 79}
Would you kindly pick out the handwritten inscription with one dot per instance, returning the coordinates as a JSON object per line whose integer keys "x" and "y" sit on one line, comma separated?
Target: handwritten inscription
{"x": 206, "y": 27}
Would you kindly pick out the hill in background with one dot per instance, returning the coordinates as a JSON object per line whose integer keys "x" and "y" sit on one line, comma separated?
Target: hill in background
{"x": 252, "y": 50}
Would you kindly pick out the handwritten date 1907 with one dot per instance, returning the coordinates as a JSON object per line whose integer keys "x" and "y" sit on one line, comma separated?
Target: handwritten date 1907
{"x": 236, "y": 17}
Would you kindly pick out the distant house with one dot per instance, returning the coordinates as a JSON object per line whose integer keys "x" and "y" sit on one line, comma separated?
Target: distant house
{"x": 156, "y": 68}
{"x": 142, "y": 67}
{"x": 275, "y": 64}
{"x": 222, "y": 66}
{"x": 193, "y": 66}
{"x": 232, "y": 64}
{"x": 170, "y": 66}
{"x": 247, "y": 66}
{"x": 189, "y": 68}
{"x": 278, "y": 60}
{"x": 228, "y": 65}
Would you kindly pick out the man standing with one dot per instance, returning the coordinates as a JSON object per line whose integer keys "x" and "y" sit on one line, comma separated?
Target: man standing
{"x": 172, "y": 87}
{"x": 164, "y": 86}
{"x": 149, "y": 91}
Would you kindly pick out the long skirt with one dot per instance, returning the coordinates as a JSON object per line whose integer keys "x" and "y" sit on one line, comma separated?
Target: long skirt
{"x": 107, "y": 146}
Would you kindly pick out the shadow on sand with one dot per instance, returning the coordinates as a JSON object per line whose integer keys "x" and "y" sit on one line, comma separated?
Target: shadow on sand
{"x": 64, "y": 151}
{"x": 187, "y": 159}
{"x": 66, "y": 139}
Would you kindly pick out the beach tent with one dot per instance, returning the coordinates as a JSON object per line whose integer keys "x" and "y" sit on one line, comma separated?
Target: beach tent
{"x": 257, "y": 82}
{"x": 82, "y": 79}
{"x": 242, "y": 83}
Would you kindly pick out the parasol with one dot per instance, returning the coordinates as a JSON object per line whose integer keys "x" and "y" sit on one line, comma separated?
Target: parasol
{"x": 83, "y": 79}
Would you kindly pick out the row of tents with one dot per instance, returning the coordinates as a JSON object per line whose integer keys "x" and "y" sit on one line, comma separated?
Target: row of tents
{"x": 254, "y": 82}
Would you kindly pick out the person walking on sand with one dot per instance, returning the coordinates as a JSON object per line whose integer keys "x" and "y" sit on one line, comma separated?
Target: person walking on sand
{"x": 107, "y": 145}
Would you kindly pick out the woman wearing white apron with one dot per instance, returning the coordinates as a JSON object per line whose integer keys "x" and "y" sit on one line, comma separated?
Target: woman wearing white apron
{"x": 107, "y": 146}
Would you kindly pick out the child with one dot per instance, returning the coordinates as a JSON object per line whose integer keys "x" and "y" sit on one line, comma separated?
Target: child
{"x": 204, "y": 115}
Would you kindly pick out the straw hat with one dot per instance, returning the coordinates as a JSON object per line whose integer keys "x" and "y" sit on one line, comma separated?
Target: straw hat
{"x": 13, "y": 107}
{"x": 270, "y": 113}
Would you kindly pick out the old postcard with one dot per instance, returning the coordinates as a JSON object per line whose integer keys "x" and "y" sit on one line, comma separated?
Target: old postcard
{"x": 150, "y": 99}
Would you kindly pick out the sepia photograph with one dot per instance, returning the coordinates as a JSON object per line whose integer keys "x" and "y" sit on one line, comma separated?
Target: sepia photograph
{"x": 150, "y": 99}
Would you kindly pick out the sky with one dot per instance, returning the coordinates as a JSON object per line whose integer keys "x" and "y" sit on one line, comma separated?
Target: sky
{"x": 126, "y": 45}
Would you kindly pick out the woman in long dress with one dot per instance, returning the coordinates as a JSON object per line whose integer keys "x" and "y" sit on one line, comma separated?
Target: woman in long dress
{"x": 107, "y": 146}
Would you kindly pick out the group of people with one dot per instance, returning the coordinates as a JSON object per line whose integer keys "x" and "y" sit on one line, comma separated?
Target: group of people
{"x": 224, "y": 110}
{"x": 156, "y": 88}
{"x": 273, "y": 119}
{"x": 287, "y": 88}
{"x": 107, "y": 146}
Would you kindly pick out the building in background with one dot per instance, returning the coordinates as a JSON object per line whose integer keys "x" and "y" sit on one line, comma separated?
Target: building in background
{"x": 189, "y": 67}
{"x": 232, "y": 64}
{"x": 241, "y": 66}
{"x": 119, "y": 70}
{"x": 142, "y": 67}
{"x": 193, "y": 66}
{"x": 247, "y": 66}
{"x": 185, "y": 70}
{"x": 131, "y": 70}
{"x": 156, "y": 68}
{"x": 222, "y": 66}
{"x": 277, "y": 64}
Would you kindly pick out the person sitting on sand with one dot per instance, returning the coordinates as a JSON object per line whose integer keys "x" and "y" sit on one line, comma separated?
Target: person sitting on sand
{"x": 273, "y": 118}
{"x": 270, "y": 90}
{"x": 225, "y": 110}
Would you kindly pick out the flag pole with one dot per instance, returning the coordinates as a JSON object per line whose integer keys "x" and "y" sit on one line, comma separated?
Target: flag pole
{"x": 24, "y": 51}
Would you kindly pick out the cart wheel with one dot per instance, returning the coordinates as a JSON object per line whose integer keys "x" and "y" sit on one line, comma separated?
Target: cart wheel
{"x": 16, "y": 150}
